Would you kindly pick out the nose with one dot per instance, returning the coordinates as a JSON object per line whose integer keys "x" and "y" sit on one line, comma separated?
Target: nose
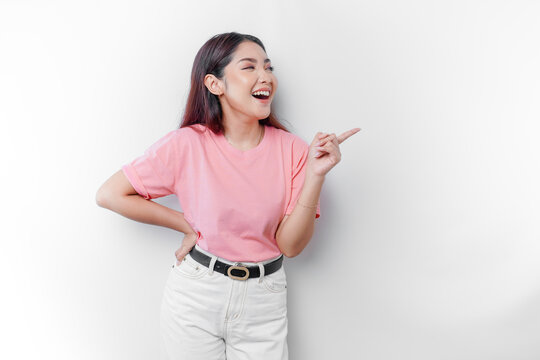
{"x": 264, "y": 76}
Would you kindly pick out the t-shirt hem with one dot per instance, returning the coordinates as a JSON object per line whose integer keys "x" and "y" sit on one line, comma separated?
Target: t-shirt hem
{"x": 135, "y": 180}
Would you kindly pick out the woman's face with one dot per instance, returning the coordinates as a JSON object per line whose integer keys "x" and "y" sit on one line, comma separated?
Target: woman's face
{"x": 248, "y": 72}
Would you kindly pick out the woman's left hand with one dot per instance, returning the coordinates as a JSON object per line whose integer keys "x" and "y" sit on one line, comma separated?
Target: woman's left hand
{"x": 189, "y": 241}
{"x": 324, "y": 151}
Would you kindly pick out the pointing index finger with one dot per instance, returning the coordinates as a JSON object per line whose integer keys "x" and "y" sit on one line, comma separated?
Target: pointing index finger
{"x": 341, "y": 138}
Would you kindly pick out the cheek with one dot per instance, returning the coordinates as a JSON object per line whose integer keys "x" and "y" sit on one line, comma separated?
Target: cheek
{"x": 242, "y": 88}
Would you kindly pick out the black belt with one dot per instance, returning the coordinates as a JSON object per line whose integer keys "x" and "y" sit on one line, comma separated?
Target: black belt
{"x": 236, "y": 271}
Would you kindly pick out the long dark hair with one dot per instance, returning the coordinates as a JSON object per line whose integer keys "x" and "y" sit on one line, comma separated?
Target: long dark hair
{"x": 202, "y": 106}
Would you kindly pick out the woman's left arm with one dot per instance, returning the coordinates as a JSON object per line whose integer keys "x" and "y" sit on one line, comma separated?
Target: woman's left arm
{"x": 295, "y": 230}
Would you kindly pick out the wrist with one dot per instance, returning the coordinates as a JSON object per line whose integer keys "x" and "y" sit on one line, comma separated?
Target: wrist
{"x": 193, "y": 233}
{"x": 314, "y": 178}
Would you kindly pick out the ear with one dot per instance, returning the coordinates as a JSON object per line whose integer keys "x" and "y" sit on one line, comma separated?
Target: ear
{"x": 213, "y": 84}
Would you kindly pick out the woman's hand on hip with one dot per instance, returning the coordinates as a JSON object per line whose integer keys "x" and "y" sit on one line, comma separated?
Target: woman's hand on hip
{"x": 190, "y": 239}
{"x": 324, "y": 151}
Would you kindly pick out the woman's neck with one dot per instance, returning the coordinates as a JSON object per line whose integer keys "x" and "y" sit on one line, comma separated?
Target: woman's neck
{"x": 243, "y": 135}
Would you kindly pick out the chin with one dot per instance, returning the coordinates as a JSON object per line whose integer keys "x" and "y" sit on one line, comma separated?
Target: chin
{"x": 264, "y": 115}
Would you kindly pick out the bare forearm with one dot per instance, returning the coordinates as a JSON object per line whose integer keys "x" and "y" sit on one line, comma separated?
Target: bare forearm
{"x": 297, "y": 230}
{"x": 137, "y": 208}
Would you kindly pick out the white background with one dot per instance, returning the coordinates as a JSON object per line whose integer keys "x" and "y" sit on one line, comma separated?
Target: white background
{"x": 429, "y": 241}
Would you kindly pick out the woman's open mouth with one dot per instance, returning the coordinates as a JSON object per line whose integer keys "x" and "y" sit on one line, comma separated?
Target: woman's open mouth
{"x": 263, "y": 96}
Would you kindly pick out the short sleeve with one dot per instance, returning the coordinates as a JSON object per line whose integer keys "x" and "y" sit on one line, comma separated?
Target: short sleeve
{"x": 152, "y": 175}
{"x": 300, "y": 152}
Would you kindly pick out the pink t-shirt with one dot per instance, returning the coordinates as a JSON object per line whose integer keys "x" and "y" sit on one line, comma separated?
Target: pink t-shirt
{"x": 235, "y": 199}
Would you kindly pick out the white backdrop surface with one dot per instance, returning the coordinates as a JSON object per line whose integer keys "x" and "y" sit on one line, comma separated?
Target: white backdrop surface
{"x": 429, "y": 239}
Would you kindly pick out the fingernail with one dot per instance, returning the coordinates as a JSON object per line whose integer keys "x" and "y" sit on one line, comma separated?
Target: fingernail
{"x": 317, "y": 153}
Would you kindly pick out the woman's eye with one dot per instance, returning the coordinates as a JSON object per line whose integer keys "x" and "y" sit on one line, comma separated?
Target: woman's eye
{"x": 271, "y": 68}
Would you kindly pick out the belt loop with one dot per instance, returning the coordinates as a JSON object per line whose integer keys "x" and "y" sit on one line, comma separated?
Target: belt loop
{"x": 211, "y": 266}
{"x": 261, "y": 268}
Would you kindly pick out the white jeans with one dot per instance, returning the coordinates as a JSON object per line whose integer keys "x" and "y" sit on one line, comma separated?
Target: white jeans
{"x": 206, "y": 315}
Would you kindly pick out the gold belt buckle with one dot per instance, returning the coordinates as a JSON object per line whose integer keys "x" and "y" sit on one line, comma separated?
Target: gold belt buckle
{"x": 236, "y": 267}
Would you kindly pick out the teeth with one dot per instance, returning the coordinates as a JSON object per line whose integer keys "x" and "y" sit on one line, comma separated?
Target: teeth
{"x": 265, "y": 93}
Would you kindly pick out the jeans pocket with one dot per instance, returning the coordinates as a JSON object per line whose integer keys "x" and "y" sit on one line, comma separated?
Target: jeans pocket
{"x": 275, "y": 282}
{"x": 190, "y": 268}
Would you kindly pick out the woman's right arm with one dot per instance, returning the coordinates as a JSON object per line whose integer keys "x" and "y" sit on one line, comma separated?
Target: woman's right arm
{"x": 117, "y": 194}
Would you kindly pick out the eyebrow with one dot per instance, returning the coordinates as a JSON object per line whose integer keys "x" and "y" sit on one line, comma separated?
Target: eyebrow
{"x": 253, "y": 60}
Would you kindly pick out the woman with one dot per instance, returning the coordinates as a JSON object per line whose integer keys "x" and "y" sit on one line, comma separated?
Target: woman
{"x": 250, "y": 194}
